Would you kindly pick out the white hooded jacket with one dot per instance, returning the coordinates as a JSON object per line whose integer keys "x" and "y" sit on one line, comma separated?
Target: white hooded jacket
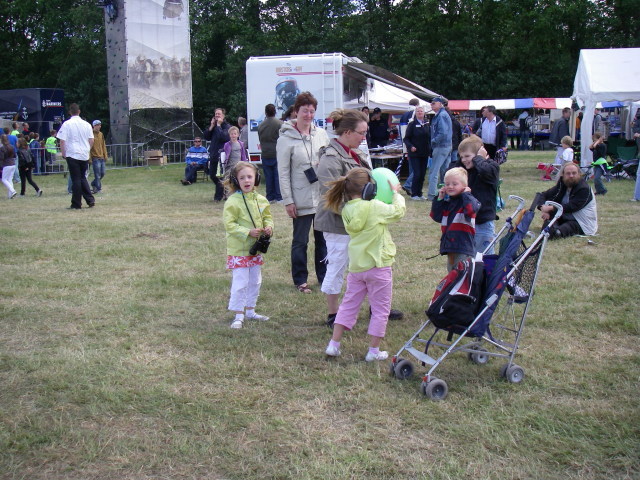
{"x": 297, "y": 153}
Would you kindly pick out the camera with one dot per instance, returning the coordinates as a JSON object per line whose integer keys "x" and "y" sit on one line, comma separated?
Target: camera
{"x": 261, "y": 245}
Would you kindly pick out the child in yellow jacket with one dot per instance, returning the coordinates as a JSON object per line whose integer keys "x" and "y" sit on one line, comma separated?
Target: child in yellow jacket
{"x": 249, "y": 225}
{"x": 371, "y": 254}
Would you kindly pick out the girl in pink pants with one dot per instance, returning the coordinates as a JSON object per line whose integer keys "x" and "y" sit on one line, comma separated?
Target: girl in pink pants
{"x": 371, "y": 254}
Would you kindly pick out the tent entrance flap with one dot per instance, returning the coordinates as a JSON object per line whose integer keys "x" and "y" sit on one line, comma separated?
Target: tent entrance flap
{"x": 390, "y": 78}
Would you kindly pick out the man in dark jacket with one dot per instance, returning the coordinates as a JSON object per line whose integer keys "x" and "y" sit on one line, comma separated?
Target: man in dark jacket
{"x": 493, "y": 132}
{"x": 560, "y": 129}
{"x": 483, "y": 177}
{"x": 418, "y": 141}
{"x": 378, "y": 129}
{"x": 218, "y": 135}
{"x": 579, "y": 214}
{"x": 268, "y": 133}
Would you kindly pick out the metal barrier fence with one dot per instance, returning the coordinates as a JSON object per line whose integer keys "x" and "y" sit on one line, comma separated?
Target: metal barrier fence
{"x": 175, "y": 151}
{"x": 120, "y": 155}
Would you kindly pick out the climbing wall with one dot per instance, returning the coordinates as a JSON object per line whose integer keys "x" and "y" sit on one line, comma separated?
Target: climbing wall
{"x": 149, "y": 71}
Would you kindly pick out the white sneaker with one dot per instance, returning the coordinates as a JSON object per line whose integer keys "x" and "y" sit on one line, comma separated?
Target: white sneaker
{"x": 382, "y": 355}
{"x": 259, "y": 318}
{"x": 237, "y": 324}
{"x": 332, "y": 351}
{"x": 415, "y": 199}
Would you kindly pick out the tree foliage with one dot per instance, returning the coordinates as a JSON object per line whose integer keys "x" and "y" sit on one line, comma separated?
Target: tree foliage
{"x": 460, "y": 48}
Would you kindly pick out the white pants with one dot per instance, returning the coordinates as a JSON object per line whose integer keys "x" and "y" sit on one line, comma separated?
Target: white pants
{"x": 245, "y": 288}
{"x": 7, "y": 179}
{"x": 337, "y": 262}
{"x": 558, "y": 160}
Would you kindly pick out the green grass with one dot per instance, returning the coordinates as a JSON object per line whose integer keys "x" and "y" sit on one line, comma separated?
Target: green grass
{"x": 117, "y": 361}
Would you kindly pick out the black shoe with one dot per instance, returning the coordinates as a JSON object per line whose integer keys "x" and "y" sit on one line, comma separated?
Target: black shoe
{"x": 185, "y": 182}
{"x": 406, "y": 190}
{"x": 91, "y": 205}
{"x": 74, "y": 208}
{"x": 330, "y": 319}
{"x": 395, "y": 315}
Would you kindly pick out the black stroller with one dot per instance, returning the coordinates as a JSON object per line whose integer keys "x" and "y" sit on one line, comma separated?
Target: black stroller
{"x": 483, "y": 303}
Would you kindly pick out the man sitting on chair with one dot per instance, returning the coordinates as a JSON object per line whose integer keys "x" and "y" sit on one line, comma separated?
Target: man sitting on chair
{"x": 197, "y": 158}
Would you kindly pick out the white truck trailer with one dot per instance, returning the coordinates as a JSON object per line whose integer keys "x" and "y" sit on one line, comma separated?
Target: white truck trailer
{"x": 336, "y": 80}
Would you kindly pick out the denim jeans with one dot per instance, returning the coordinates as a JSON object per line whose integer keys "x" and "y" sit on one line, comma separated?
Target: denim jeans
{"x": 98, "y": 173}
{"x": 272, "y": 181}
{"x": 16, "y": 175}
{"x": 636, "y": 193}
{"x": 191, "y": 172}
{"x": 454, "y": 157}
{"x": 409, "y": 181}
{"x": 440, "y": 160}
{"x": 524, "y": 140}
{"x": 598, "y": 173}
{"x": 79, "y": 185}
{"x": 299, "y": 243}
{"x": 485, "y": 233}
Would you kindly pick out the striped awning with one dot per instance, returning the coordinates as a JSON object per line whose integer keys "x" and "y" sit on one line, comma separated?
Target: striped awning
{"x": 511, "y": 104}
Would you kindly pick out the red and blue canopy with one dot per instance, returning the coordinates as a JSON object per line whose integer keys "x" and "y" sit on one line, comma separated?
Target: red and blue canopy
{"x": 511, "y": 104}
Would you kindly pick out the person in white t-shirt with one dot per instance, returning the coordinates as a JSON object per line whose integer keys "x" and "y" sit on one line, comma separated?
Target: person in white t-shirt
{"x": 76, "y": 140}
{"x": 567, "y": 149}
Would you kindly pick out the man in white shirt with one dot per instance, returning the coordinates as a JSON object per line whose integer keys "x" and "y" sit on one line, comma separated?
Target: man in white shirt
{"x": 76, "y": 140}
{"x": 493, "y": 132}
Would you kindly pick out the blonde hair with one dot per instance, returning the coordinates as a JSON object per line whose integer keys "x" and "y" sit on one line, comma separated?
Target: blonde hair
{"x": 598, "y": 135}
{"x": 342, "y": 189}
{"x": 228, "y": 183}
{"x": 459, "y": 172}
{"x": 472, "y": 143}
{"x": 567, "y": 140}
{"x": 236, "y": 129}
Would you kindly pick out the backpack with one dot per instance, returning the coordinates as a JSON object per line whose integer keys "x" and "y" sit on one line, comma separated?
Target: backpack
{"x": 455, "y": 301}
{"x": 501, "y": 157}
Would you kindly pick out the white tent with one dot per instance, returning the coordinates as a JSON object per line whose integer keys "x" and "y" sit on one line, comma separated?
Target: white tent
{"x": 603, "y": 76}
{"x": 387, "y": 98}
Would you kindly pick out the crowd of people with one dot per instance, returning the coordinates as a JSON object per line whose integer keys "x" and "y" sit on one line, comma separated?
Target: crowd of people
{"x": 23, "y": 154}
{"x": 327, "y": 189}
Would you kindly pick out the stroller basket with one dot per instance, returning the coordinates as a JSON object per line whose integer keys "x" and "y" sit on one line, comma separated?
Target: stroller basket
{"x": 500, "y": 313}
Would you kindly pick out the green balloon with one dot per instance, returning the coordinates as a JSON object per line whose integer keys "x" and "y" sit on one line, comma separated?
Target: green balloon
{"x": 383, "y": 176}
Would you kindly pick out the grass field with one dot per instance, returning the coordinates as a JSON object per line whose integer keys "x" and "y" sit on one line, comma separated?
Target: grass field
{"x": 117, "y": 361}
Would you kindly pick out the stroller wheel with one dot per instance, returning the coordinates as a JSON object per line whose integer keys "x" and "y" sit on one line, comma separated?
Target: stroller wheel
{"x": 436, "y": 389}
{"x": 480, "y": 357}
{"x": 503, "y": 370}
{"x": 403, "y": 369}
{"x": 515, "y": 374}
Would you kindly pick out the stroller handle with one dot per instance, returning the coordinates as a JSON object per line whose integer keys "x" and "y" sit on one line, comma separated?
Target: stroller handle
{"x": 557, "y": 206}
{"x": 520, "y": 201}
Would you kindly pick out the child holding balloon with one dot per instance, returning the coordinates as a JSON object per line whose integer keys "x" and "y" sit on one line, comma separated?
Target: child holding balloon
{"x": 371, "y": 254}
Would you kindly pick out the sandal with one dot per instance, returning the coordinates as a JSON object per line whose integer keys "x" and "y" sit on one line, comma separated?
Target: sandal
{"x": 303, "y": 288}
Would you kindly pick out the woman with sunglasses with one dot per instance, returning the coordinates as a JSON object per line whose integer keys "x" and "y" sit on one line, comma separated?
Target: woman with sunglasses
{"x": 336, "y": 160}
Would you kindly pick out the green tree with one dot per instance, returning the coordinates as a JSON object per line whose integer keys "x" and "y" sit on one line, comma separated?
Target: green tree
{"x": 56, "y": 44}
